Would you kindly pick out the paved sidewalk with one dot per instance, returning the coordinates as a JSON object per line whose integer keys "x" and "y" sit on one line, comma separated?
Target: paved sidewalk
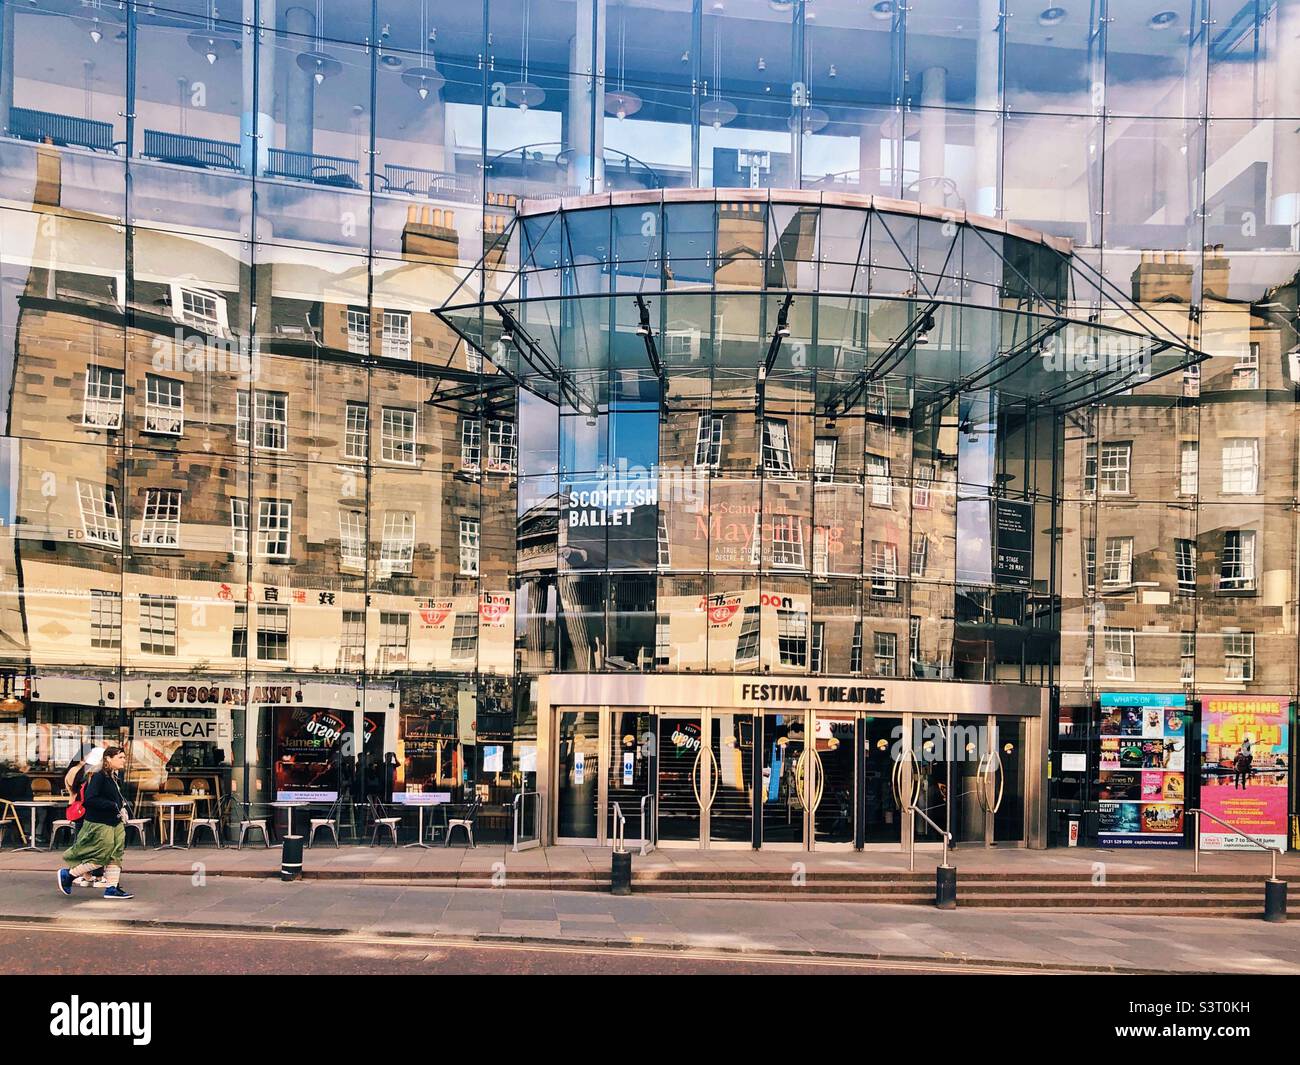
{"x": 1041, "y": 939}
{"x": 451, "y": 862}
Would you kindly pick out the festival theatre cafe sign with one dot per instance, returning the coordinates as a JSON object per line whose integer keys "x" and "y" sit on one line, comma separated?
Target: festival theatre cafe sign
{"x": 759, "y": 693}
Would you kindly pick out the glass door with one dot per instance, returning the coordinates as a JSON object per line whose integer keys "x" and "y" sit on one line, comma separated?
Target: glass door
{"x": 682, "y": 787}
{"x": 731, "y": 783}
{"x": 832, "y": 779}
{"x": 784, "y": 779}
{"x": 883, "y": 781}
{"x": 631, "y": 748}
{"x": 577, "y": 776}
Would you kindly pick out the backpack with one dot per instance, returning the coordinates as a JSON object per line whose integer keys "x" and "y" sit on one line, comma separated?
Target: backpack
{"x": 77, "y": 808}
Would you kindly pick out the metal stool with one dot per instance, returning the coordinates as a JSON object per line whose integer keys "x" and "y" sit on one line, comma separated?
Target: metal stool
{"x": 317, "y": 823}
{"x": 246, "y": 826}
{"x": 213, "y": 824}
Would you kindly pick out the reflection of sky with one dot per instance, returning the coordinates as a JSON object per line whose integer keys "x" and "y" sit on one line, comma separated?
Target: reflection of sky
{"x": 976, "y": 446}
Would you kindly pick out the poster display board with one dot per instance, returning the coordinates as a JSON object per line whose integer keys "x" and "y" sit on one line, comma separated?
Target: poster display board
{"x": 1141, "y": 774}
{"x": 1245, "y": 769}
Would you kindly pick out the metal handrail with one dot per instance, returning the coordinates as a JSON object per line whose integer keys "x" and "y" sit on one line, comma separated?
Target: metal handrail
{"x": 947, "y": 839}
{"x": 620, "y": 827}
{"x": 517, "y": 814}
{"x": 1198, "y": 813}
{"x": 648, "y": 841}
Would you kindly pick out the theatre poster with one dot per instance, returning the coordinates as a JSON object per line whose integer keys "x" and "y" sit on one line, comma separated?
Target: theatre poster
{"x": 1141, "y": 779}
{"x": 1245, "y": 769}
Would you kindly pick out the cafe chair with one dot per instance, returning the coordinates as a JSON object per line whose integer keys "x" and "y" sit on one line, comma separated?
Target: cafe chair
{"x": 249, "y": 824}
{"x": 212, "y": 824}
{"x": 328, "y": 822}
{"x": 9, "y": 818}
{"x": 381, "y": 819}
{"x": 58, "y": 825}
{"x": 466, "y": 822}
{"x": 140, "y": 824}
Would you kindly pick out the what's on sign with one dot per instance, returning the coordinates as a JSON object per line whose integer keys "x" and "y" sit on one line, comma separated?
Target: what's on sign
{"x": 191, "y": 729}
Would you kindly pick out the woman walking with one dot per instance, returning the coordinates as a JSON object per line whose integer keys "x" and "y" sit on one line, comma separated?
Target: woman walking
{"x": 102, "y": 839}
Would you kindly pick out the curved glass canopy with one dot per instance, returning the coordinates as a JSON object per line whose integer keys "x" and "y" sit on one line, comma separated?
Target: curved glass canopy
{"x": 819, "y": 302}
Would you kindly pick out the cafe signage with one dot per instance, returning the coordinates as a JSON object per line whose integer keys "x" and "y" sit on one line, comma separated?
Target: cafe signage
{"x": 191, "y": 729}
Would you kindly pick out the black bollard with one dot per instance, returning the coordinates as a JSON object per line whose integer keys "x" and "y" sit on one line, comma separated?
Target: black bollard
{"x": 945, "y": 887}
{"x": 1274, "y": 900}
{"x": 291, "y": 858}
{"x": 620, "y": 877}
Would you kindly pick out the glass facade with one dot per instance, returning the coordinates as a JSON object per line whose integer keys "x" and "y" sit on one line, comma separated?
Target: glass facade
{"x": 252, "y": 474}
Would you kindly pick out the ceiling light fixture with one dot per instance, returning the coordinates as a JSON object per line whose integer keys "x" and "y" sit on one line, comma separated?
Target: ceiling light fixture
{"x": 1162, "y": 20}
{"x": 883, "y": 9}
{"x": 1052, "y": 16}
{"x": 319, "y": 64}
{"x": 715, "y": 111}
{"x": 426, "y": 78}
{"x": 523, "y": 93}
{"x": 622, "y": 102}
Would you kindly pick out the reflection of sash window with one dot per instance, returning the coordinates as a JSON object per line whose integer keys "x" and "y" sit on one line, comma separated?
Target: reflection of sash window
{"x": 885, "y": 653}
{"x": 394, "y": 637}
{"x": 792, "y": 637}
{"x": 397, "y": 548}
{"x": 162, "y": 518}
{"x": 708, "y": 441}
{"x": 1120, "y": 653}
{"x": 352, "y": 645}
{"x": 787, "y": 542}
{"x": 776, "y": 448}
{"x": 747, "y": 643}
{"x": 855, "y": 651}
{"x": 352, "y": 539}
{"x": 273, "y": 633}
{"x": 99, "y": 517}
{"x": 1239, "y": 655}
{"x": 884, "y": 570}
{"x": 102, "y": 405}
{"x": 164, "y": 406}
{"x": 464, "y": 640}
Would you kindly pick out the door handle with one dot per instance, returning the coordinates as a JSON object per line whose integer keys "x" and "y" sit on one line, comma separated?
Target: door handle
{"x": 819, "y": 780}
{"x": 715, "y": 776}
{"x": 695, "y": 779}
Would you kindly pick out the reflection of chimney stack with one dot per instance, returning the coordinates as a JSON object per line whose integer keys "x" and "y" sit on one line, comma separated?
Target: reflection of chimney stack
{"x": 1215, "y": 272}
{"x": 430, "y": 233}
{"x": 1162, "y": 277}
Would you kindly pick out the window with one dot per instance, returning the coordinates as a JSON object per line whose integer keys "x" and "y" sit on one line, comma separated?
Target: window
{"x": 397, "y": 547}
{"x": 1239, "y": 655}
{"x": 1185, "y": 564}
{"x": 239, "y": 527}
{"x": 1237, "y": 566}
{"x": 469, "y": 547}
{"x": 352, "y": 539}
{"x": 271, "y": 420}
{"x": 1187, "y": 657}
{"x": 708, "y": 441}
{"x": 162, "y": 518}
{"x": 397, "y": 335}
{"x": 884, "y": 654}
{"x": 471, "y": 445}
{"x": 1090, "y": 468}
{"x": 1189, "y": 465}
{"x": 824, "y": 448}
{"x": 1119, "y": 654}
{"x": 877, "y": 399}
{"x": 99, "y": 520}
{"x": 241, "y": 418}
{"x": 199, "y": 308}
{"x": 787, "y": 541}
{"x": 663, "y": 640}
{"x": 1192, "y": 380}
{"x": 792, "y": 638}
{"x": 855, "y": 650}
{"x": 821, "y": 551}
{"x": 394, "y": 637}
{"x": 501, "y": 447}
{"x": 274, "y": 519}
{"x": 164, "y": 405}
{"x": 102, "y": 406}
{"x": 920, "y": 554}
{"x": 1241, "y": 466}
{"x": 473, "y": 360}
{"x": 1246, "y": 373}
{"x": 882, "y": 491}
{"x": 921, "y": 486}
{"x": 356, "y": 432}
{"x": 352, "y": 641}
{"x": 239, "y": 633}
{"x": 464, "y": 637}
{"x": 747, "y": 641}
{"x": 105, "y": 620}
{"x": 1116, "y": 460}
{"x": 397, "y": 436}
{"x": 665, "y": 552}
{"x": 884, "y": 570}
{"x": 158, "y": 624}
{"x": 273, "y": 633}
{"x": 1089, "y": 563}
{"x": 358, "y": 331}
{"x": 817, "y": 661}
{"x": 1117, "y": 567}
{"x": 914, "y": 643}
{"x": 776, "y": 448}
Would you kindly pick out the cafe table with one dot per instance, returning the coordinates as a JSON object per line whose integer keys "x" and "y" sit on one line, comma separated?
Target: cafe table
{"x": 290, "y": 805}
{"x": 420, "y": 801}
{"x": 170, "y": 803}
{"x": 34, "y": 805}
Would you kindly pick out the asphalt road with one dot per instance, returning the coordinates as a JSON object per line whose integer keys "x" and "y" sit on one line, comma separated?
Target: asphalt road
{"x": 27, "y": 949}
